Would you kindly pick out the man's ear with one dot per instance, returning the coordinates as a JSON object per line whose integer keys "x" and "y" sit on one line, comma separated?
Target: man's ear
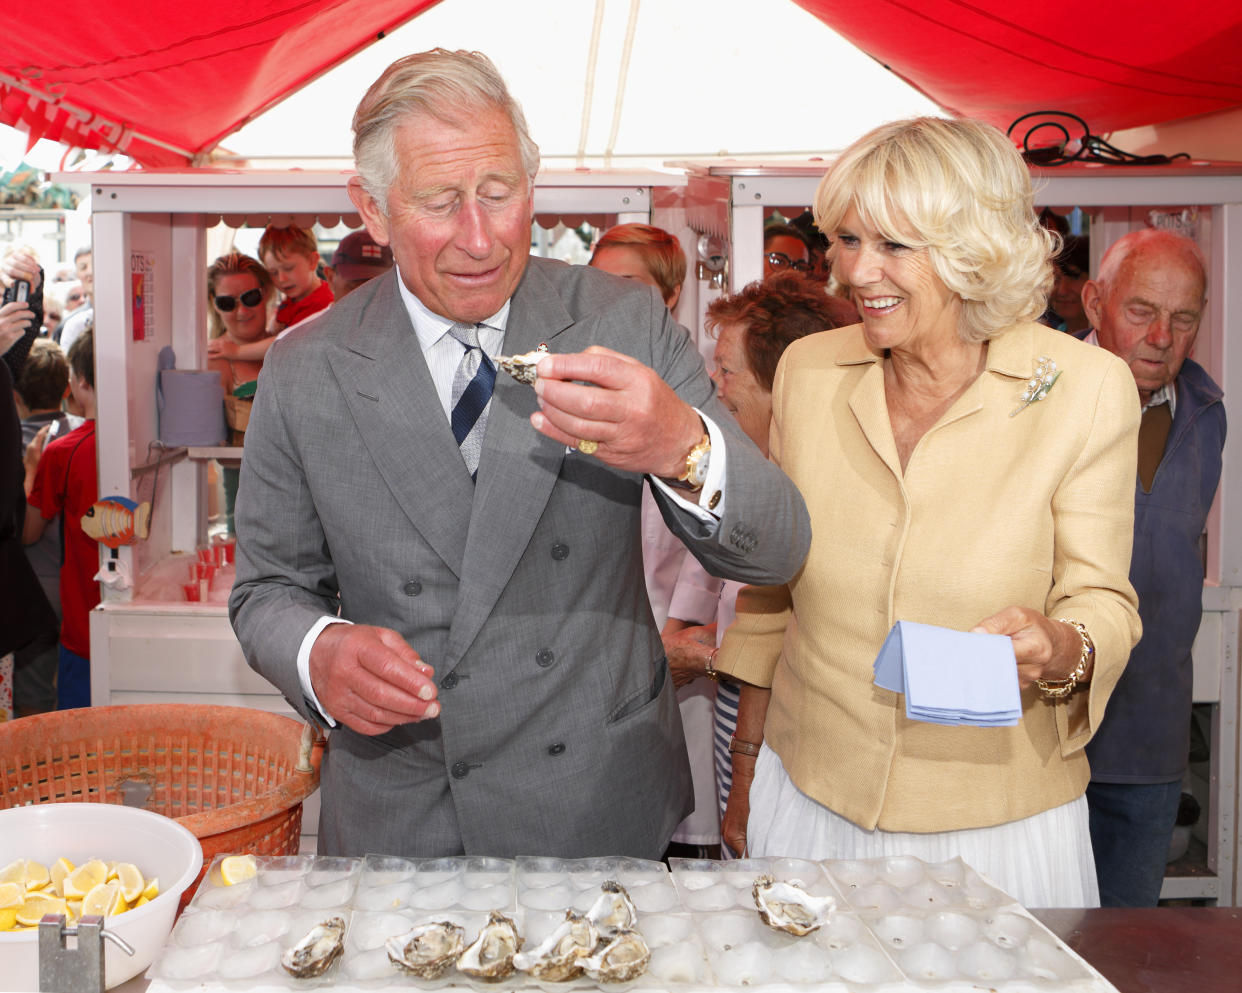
{"x": 375, "y": 219}
{"x": 1093, "y": 301}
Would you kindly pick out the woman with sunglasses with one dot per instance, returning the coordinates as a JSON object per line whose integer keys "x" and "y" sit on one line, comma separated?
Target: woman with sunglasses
{"x": 239, "y": 289}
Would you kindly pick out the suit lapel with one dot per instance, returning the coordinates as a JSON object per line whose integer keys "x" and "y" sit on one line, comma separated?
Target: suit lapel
{"x": 517, "y": 469}
{"x": 389, "y": 392}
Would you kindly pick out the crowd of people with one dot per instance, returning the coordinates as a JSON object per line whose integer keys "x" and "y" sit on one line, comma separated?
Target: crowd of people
{"x": 636, "y": 606}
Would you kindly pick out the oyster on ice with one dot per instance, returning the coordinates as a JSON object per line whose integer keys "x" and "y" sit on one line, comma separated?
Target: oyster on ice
{"x": 522, "y": 367}
{"x": 788, "y": 907}
{"x": 559, "y": 956}
{"x": 613, "y": 909}
{"x": 319, "y": 948}
{"x": 620, "y": 958}
{"x": 427, "y": 950}
{"x": 490, "y": 955}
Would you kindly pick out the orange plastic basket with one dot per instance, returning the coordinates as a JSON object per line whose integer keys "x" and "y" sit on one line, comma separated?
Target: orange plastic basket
{"x": 233, "y": 776}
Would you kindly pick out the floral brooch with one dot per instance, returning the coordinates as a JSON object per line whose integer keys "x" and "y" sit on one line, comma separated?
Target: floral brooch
{"x": 1045, "y": 376}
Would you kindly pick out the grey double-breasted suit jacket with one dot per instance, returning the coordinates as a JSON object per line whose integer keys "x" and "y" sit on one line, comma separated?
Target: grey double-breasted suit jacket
{"x": 559, "y": 732}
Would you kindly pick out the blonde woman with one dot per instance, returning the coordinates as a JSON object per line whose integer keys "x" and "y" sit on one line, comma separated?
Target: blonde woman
{"x": 944, "y": 490}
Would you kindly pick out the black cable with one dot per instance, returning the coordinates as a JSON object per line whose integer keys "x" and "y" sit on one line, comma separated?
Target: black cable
{"x": 1074, "y": 142}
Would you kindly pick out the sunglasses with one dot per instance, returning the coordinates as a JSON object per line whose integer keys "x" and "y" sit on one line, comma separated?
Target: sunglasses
{"x": 251, "y": 298}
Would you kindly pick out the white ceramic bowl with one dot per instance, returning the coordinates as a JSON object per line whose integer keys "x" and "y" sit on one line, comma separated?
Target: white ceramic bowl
{"x": 158, "y": 845}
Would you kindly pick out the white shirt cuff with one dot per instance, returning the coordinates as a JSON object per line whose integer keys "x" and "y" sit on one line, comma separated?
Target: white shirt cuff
{"x": 709, "y": 503}
{"x": 304, "y": 653}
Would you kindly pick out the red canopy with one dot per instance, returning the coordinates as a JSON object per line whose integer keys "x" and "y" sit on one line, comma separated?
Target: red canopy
{"x": 164, "y": 81}
{"x": 1115, "y": 63}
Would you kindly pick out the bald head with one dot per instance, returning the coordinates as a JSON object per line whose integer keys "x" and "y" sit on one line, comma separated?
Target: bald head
{"x": 1147, "y": 302}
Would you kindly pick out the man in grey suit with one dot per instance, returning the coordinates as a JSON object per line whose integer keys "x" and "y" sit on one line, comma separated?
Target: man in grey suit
{"x": 444, "y": 564}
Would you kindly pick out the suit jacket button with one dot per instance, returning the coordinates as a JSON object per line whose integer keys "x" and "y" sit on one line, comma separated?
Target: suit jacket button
{"x": 544, "y": 657}
{"x": 449, "y": 681}
{"x": 412, "y": 588}
{"x": 460, "y": 770}
{"x": 560, "y": 552}
{"x": 557, "y": 748}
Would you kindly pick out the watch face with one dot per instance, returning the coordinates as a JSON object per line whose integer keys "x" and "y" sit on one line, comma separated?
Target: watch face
{"x": 698, "y": 474}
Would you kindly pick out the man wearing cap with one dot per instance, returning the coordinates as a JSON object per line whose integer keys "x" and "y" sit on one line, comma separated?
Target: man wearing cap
{"x": 357, "y": 258}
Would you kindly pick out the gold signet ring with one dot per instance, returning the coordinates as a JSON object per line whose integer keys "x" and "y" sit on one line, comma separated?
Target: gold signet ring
{"x": 587, "y": 447}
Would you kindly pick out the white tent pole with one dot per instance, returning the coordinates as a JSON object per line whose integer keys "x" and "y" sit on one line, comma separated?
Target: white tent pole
{"x": 619, "y": 101}
{"x": 588, "y": 84}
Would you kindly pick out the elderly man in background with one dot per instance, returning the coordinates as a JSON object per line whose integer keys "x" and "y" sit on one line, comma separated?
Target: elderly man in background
{"x": 455, "y": 518}
{"x": 1145, "y": 307}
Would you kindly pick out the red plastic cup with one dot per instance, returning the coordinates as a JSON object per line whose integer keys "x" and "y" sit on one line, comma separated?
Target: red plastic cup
{"x": 192, "y": 592}
{"x": 229, "y": 545}
{"x": 204, "y": 570}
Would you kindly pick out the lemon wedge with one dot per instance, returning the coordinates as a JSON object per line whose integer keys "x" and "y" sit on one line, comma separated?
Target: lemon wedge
{"x": 37, "y": 876}
{"x": 36, "y": 905}
{"x": 151, "y": 890}
{"x": 57, "y": 873}
{"x": 11, "y": 897}
{"x": 130, "y": 879}
{"x": 238, "y": 868}
{"x": 105, "y": 899}
{"x": 14, "y": 872}
{"x": 84, "y": 878}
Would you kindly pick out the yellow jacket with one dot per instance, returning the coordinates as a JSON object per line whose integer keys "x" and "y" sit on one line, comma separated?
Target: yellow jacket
{"x": 1034, "y": 509}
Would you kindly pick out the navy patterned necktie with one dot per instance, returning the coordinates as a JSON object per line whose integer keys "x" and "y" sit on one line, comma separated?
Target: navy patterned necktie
{"x": 472, "y": 390}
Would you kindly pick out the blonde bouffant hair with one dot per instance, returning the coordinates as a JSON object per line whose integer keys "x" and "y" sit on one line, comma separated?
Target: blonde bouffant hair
{"x": 960, "y": 190}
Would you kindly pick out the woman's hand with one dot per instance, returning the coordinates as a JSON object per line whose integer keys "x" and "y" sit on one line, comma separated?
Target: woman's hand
{"x": 688, "y": 651}
{"x": 15, "y": 318}
{"x": 737, "y": 810}
{"x": 1044, "y": 648}
{"x": 21, "y": 265}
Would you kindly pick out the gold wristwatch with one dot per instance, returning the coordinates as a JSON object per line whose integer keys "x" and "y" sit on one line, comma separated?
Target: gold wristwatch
{"x": 694, "y": 474}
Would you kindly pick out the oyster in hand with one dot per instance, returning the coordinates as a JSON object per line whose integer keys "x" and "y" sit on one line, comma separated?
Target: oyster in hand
{"x": 428, "y": 950}
{"x": 317, "y": 950}
{"x": 559, "y": 956}
{"x": 523, "y": 367}
{"x": 490, "y": 955}
{"x": 619, "y": 959}
{"x": 788, "y": 907}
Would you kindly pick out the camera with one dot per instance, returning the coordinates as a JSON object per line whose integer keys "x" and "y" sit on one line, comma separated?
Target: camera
{"x": 19, "y": 291}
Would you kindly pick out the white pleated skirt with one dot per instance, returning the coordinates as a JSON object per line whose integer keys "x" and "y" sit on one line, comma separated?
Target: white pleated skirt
{"x": 1044, "y": 860}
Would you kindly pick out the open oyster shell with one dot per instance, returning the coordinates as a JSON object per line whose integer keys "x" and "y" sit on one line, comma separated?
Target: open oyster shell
{"x": 427, "y": 951}
{"x": 559, "y": 956}
{"x": 613, "y": 910}
{"x": 522, "y": 367}
{"x": 318, "y": 948}
{"x": 490, "y": 955}
{"x": 618, "y": 959}
{"x": 788, "y": 907}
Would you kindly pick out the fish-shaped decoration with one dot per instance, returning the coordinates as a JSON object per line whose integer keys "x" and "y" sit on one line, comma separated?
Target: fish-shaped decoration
{"x": 115, "y": 521}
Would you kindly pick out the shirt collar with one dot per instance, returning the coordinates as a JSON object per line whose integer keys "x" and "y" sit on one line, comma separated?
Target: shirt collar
{"x": 431, "y": 327}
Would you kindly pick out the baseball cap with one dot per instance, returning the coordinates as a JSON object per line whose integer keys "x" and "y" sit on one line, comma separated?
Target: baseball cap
{"x": 358, "y": 256}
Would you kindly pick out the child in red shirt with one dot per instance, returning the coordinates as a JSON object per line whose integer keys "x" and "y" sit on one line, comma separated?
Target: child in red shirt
{"x": 63, "y": 478}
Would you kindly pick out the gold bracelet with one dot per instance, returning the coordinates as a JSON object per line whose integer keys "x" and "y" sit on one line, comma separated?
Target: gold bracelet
{"x": 709, "y": 667}
{"x": 1058, "y": 689}
{"x": 741, "y": 747}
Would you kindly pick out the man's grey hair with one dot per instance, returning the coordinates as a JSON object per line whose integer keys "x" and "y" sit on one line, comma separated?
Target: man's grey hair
{"x": 1146, "y": 238}
{"x": 451, "y": 86}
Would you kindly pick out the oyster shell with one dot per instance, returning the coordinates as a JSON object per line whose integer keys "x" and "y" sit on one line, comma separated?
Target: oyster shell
{"x": 559, "y": 956}
{"x": 490, "y": 955}
{"x": 613, "y": 909}
{"x": 618, "y": 959}
{"x": 522, "y": 367}
{"x": 428, "y": 950}
{"x": 319, "y": 948}
{"x": 788, "y": 907}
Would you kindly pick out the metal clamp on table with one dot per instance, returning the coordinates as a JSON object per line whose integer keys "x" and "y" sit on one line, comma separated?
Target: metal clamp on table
{"x": 79, "y": 969}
